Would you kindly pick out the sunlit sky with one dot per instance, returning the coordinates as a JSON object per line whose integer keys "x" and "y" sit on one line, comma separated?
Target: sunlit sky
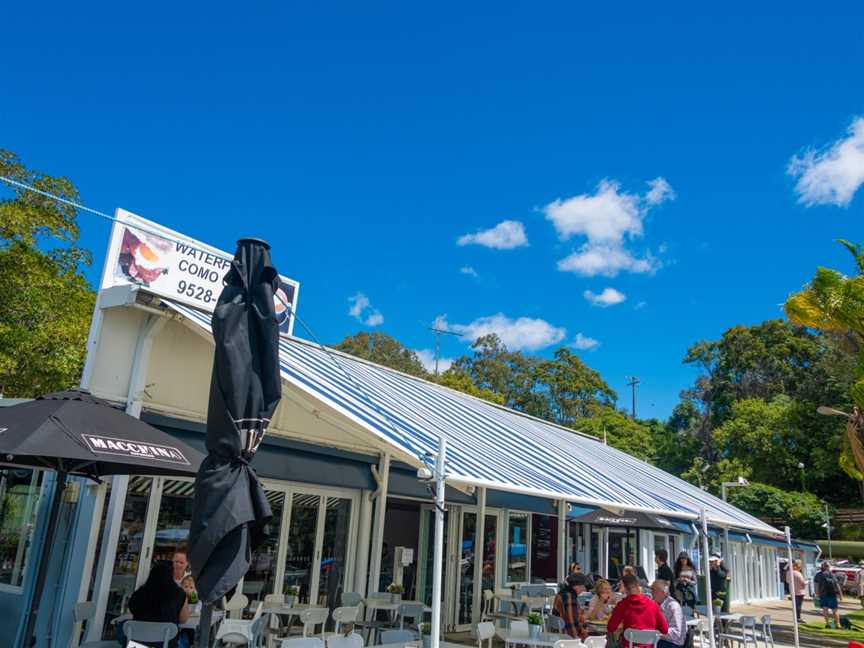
{"x": 625, "y": 179}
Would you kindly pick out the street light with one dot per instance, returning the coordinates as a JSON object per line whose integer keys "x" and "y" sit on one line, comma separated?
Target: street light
{"x": 803, "y": 484}
{"x": 830, "y": 411}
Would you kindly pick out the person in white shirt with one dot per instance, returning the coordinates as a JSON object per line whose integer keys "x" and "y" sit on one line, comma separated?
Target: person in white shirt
{"x": 677, "y": 635}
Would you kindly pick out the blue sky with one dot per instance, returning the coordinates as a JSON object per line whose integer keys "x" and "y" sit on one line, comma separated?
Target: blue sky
{"x": 367, "y": 140}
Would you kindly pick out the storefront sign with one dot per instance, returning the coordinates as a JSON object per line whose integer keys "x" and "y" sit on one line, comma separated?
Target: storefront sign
{"x": 177, "y": 267}
{"x": 104, "y": 445}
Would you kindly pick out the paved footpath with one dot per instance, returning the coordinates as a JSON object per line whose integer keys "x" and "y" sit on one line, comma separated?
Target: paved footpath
{"x": 781, "y": 621}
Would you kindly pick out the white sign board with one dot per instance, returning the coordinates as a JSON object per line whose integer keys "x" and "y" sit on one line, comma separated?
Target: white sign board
{"x": 177, "y": 267}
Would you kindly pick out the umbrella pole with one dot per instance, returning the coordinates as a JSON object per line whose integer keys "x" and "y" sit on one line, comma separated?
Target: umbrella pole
{"x": 204, "y": 626}
{"x": 27, "y": 638}
{"x": 791, "y": 576}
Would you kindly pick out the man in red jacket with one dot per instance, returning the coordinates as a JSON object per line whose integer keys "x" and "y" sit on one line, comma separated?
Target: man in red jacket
{"x": 636, "y": 611}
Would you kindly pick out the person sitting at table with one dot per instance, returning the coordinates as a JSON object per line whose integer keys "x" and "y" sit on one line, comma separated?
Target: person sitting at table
{"x": 567, "y": 606}
{"x": 627, "y": 569}
{"x": 601, "y": 602}
{"x": 636, "y": 611}
{"x": 671, "y": 609}
{"x": 160, "y": 599}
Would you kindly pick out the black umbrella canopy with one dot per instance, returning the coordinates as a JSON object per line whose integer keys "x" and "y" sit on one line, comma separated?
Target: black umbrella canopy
{"x": 80, "y": 434}
{"x": 636, "y": 519}
{"x": 230, "y": 510}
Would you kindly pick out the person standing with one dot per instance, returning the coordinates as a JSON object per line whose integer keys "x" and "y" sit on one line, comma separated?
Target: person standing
{"x": 718, "y": 577}
{"x": 828, "y": 590}
{"x": 636, "y": 611}
{"x": 663, "y": 570}
{"x": 797, "y": 586}
{"x": 674, "y": 615}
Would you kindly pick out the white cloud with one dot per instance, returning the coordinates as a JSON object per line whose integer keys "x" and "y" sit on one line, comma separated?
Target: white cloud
{"x": 584, "y": 343}
{"x": 427, "y": 358}
{"x": 833, "y": 175}
{"x": 468, "y": 270}
{"x": 506, "y": 235}
{"x": 520, "y": 334}
{"x": 608, "y": 219}
{"x": 660, "y": 191}
{"x": 606, "y": 260}
{"x": 609, "y": 297}
{"x": 361, "y": 309}
{"x": 640, "y": 305}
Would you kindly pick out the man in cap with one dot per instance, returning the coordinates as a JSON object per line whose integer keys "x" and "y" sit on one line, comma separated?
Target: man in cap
{"x": 718, "y": 576}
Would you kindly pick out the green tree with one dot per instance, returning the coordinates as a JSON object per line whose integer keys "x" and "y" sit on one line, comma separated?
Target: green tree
{"x": 573, "y": 390}
{"x": 459, "y": 380}
{"x": 803, "y": 512}
{"x": 620, "y": 431}
{"x": 384, "y": 350}
{"x": 47, "y": 302}
{"x": 834, "y": 302}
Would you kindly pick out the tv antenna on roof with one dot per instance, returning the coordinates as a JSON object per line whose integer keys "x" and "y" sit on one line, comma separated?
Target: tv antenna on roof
{"x": 438, "y": 333}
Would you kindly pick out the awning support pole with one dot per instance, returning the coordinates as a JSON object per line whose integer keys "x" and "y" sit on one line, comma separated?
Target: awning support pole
{"x": 706, "y": 569}
{"x": 790, "y": 576}
{"x": 150, "y": 327}
{"x": 562, "y": 540}
{"x": 479, "y": 551}
{"x": 378, "y": 524}
{"x": 438, "y": 557}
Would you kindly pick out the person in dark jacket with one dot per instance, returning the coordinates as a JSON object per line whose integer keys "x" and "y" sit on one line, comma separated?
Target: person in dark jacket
{"x": 160, "y": 599}
{"x": 718, "y": 577}
{"x": 663, "y": 570}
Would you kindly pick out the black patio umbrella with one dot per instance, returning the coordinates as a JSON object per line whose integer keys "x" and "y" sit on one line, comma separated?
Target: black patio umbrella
{"x": 230, "y": 510}
{"x": 75, "y": 433}
{"x": 635, "y": 519}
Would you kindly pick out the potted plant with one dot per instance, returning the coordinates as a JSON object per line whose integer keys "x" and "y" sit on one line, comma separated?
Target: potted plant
{"x": 291, "y": 594}
{"x": 426, "y": 634}
{"x": 535, "y": 625}
{"x": 396, "y": 591}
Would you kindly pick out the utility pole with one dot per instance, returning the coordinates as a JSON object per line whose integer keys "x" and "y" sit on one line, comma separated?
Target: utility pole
{"x": 632, "y": 381}
{"x": 438, "y": 333}
{"x": 828, "y": 528}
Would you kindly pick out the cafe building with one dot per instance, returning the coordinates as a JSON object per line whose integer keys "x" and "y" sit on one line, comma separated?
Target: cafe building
{"x": 525, "y": 497}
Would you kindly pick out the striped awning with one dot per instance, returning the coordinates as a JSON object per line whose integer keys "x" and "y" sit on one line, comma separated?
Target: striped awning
{"x": 489, "y": 445}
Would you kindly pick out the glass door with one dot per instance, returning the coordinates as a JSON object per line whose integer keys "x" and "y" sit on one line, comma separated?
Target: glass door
{"x": 318, "y": 546}
{"x": 467, "y": 561}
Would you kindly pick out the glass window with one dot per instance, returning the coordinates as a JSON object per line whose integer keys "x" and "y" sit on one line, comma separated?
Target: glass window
{"x": 259, "y": 579}
{"x": 334, "y": 551}
{"x": 301, "y": 544}
{"x": 19, "y": 495}
{"x": 128, "y": 554}
{"x": 517, "y": 548}
{"x": 544, "y": 547}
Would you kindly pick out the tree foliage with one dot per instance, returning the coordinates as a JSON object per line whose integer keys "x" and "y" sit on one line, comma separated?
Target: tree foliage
{"x": 383, "y": 349}
{"x": 803, "y": 512}
{"x": 47, "y": 302}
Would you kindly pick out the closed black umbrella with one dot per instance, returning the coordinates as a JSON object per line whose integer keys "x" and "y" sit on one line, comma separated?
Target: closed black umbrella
{"x": 75, "y": 433}
{"x": 230, "y": 510}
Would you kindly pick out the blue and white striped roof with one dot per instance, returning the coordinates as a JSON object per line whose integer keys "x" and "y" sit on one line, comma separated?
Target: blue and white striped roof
{"x": 489, "y": 445}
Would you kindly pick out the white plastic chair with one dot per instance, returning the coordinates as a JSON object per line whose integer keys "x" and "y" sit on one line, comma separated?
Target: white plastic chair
{"x": 641, "y": 637}
{"x": 352, "y": 640}
{"x": 595, "y": 642}
{"x": 351, "y": 599}
{"x": 411, "y": 611}
{"x": 234, "y": 608}
{"x": 485, "y": 631}
{"x": 304, "y": 642}
{"x": 312, "y": 617}
{"x": 344, "y": 614}
{"x": 746, "y": 632}
{"x": 767, "y": 633}
{"x": 85, "y": 612}
{"x": 148, "y": 631}
{"x": 239, "y": 632}
{"x": 519, "y": 628}
{"x": 569, "y": 643}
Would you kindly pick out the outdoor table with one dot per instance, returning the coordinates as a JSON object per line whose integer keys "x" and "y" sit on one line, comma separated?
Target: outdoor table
{"x": 547, "y": 639}
{"x": 597, "y": 626}
{"x": 402, "y": 644}
{"x": 289, "y": 611}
